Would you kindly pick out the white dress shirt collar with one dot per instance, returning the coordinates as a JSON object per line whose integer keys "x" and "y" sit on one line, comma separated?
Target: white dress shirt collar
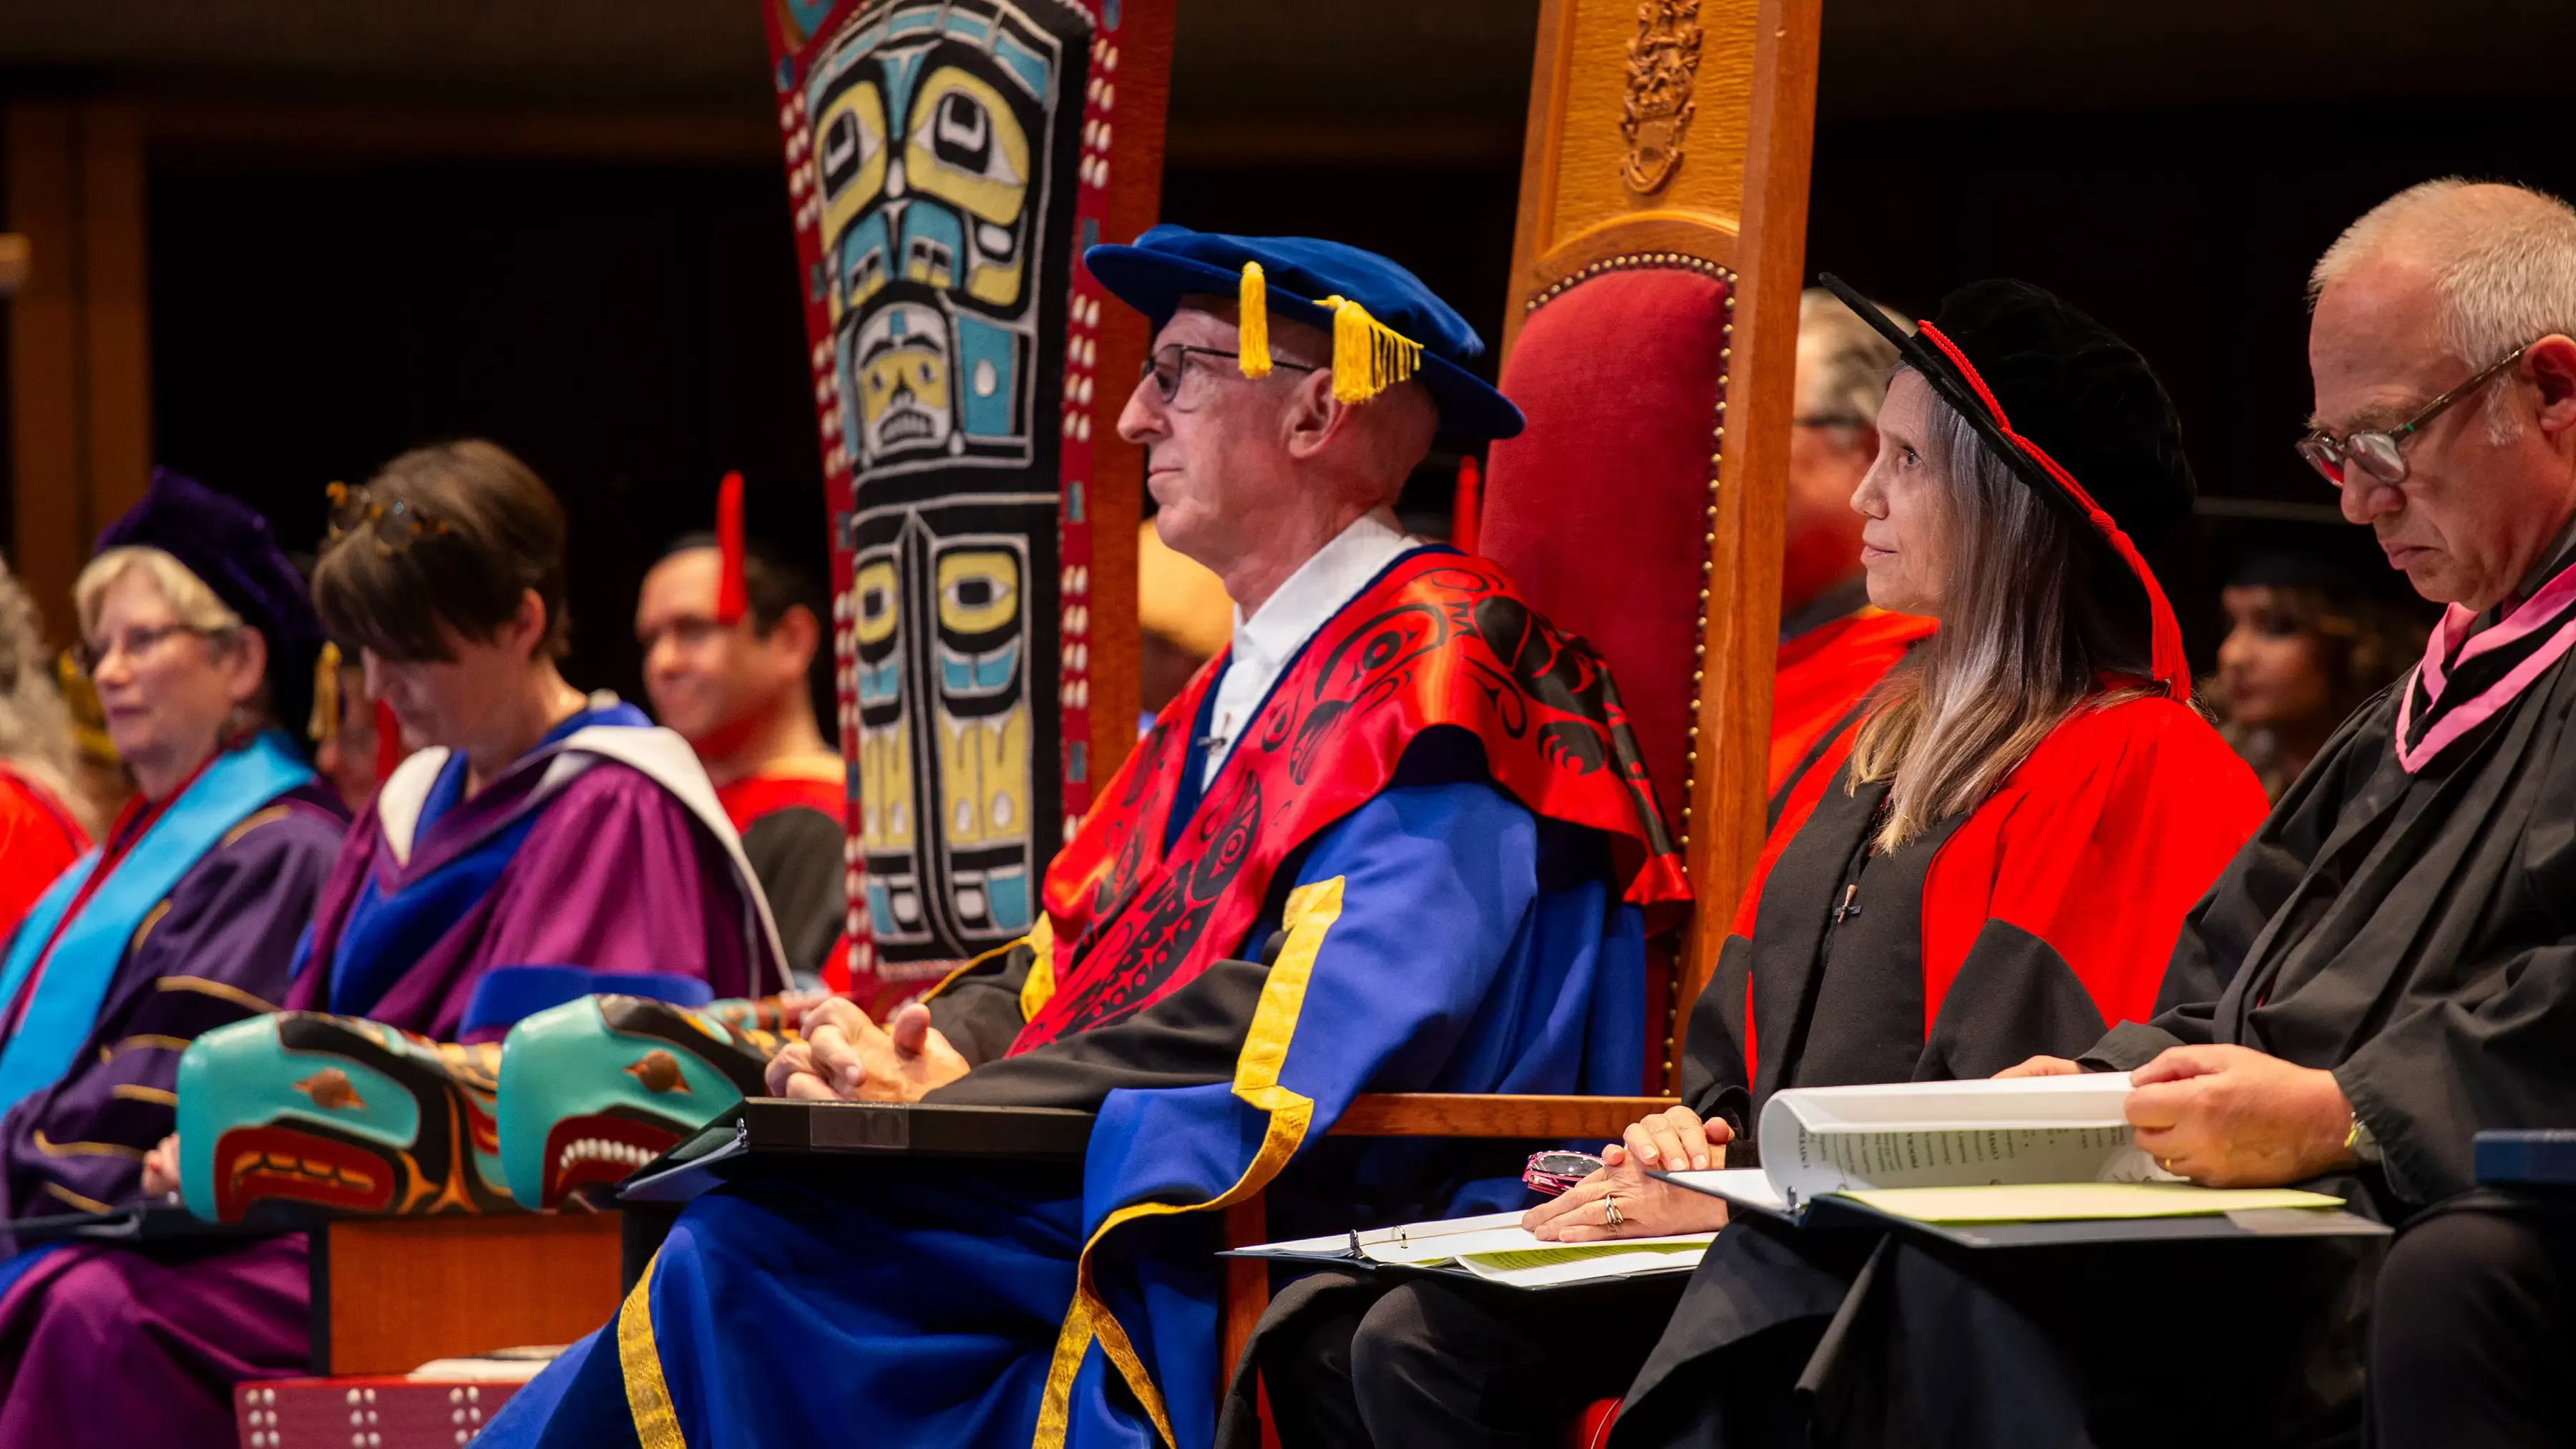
{"x": 1263, "y": 644}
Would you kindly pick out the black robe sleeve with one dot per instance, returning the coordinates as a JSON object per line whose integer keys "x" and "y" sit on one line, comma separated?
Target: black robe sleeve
{"x": 979, "y": 1010}
{"x": 1191, "y": 1038}
{"x": 2256, "y": 885}
{"x": 1714, "y": 1072}
{"x": 795, "y": 854}
{"x": 2491, "y": 1045}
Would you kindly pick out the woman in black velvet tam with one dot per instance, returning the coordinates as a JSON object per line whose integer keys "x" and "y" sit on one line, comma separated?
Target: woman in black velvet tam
{"x": 1929, "y": 905}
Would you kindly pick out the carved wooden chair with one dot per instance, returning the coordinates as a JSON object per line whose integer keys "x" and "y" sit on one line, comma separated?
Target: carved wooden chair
{"x": 1652, "y": 340}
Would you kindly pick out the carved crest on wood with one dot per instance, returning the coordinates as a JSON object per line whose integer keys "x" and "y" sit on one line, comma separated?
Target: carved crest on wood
{"x": 1663, "y": 68}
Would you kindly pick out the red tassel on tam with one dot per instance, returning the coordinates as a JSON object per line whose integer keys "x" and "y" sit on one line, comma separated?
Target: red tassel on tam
{"x": 389, "y": 741}
{"x": 1469, "y": 511}
{"x": 732, "y": 600}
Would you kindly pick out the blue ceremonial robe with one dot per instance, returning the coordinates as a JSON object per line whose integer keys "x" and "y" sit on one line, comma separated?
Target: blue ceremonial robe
{"x": 1439, "y": 938}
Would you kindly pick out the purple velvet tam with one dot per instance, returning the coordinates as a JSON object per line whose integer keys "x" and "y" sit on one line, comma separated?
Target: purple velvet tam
{"x": 226, "y": 542}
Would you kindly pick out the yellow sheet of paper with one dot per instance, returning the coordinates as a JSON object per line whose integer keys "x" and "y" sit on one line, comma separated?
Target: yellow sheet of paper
{"x": 1540, "y": 1257}
{"x": 2072, "y": 1201}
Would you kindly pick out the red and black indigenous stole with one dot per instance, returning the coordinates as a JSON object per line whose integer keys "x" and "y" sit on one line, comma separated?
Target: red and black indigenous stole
{"x": 1440, "y": 639}
{"x": 2467, "y": 679}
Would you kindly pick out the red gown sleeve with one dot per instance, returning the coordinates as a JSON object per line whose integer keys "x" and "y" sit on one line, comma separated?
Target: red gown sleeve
{"x": 1822, "y": 673}
{"x": 38, "y": 841}
{"x": 2094, "y": 850}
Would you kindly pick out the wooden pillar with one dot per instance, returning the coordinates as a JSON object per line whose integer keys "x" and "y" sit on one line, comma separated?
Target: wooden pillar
{"x": 1679, "y": 132}
{"x": 80, "y": 405}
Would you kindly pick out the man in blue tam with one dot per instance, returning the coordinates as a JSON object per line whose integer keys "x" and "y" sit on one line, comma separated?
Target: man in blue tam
{"x": 202, "y": 644}
{"x": 1395, "y": 838}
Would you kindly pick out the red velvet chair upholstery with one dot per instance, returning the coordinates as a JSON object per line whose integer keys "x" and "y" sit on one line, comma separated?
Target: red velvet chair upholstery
{"x": 1600, "y": 509}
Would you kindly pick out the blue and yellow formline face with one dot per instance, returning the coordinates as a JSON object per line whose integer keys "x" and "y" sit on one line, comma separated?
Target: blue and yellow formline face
{"x": 593, "y": 1089}
{"x": 339, "y": 1113}
{"x": 945, "y": 162}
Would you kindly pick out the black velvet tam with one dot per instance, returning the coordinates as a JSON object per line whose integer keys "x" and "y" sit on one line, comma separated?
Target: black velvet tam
{"x": 226, "y": 543}
{"x": 2064, "y": 382}
{"x": 2077, "y": 413}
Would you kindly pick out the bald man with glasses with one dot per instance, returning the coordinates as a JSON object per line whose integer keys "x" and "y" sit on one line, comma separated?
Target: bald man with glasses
{"x": 2389, "y": 966}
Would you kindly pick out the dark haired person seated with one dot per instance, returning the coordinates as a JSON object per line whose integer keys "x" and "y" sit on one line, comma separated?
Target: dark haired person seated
{"x": 2386, "y": 968}
{"x": 544, "y": 844}
{"x": 729, "y": 648}
{"x": 2307, "y": 644}
{"x": 1936, "y": 901}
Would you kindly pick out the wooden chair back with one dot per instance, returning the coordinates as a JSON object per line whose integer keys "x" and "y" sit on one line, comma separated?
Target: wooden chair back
{"x": 1652, "y": 337}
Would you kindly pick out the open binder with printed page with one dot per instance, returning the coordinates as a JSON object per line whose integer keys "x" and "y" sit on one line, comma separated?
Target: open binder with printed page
{"x": 1494, "y": 1248}
{"x": 2025, "y": 1162}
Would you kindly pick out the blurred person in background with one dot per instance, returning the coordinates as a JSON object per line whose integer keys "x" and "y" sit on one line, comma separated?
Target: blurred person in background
{"x": 729, "y": 639}
{"x": 44, "y": 821}
{"x": 355, "y": 742}
{"x": 1183, "y": 620}
{"x": 98, "y": 778}
{"x": 542, "y": 845}
{"x": 1835, "y": 645}
{"x": 201, "y": 640}
{"x": 2305, "y": 647}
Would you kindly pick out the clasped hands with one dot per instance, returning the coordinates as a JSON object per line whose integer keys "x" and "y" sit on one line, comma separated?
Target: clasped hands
{"x": 2223, "y": 1116}
{"x": 2230, "y": 1116}
{"x": 847, "y": 1058}
{"x": 1673, "y": 1140}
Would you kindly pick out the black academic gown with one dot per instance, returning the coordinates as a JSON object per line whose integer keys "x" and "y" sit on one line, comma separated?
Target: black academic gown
{"x": 2415, "y": 934}
{"x": 2019, "y": 927}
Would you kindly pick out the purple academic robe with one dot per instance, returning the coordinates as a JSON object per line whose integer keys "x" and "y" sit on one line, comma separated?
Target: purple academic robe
{"x": 216, "y": 951}
{"x": 614, "y": 875}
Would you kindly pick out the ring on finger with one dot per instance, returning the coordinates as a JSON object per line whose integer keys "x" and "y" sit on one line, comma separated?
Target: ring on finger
{"x": 1610, "y": 1216}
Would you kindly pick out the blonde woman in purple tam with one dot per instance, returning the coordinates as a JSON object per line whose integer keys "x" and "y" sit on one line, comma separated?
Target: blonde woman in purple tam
{"x": 200, "y": 640}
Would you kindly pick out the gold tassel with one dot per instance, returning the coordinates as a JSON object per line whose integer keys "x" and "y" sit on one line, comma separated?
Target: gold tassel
{"x": 1368, "y": 356}
{"x": 1252, "y": 301}
{"x": 324, "y": 726}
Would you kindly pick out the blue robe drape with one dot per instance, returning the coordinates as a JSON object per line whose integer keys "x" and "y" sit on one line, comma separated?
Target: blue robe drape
{"x": 1433, "y": 944}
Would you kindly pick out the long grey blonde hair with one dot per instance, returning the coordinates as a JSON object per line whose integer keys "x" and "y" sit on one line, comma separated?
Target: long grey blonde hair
{"x": 35, "y": 724}
{"x": 2026, "y": 636}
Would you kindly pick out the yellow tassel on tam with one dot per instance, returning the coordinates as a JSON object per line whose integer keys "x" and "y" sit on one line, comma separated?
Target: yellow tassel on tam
{"x": 1368, "y": 356}
{"x": 324, "y": 725}
{"x": 1252, "y": 301}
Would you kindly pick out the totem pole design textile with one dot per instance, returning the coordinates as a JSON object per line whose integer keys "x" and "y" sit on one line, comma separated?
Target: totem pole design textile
{"x": 944, "y": 160}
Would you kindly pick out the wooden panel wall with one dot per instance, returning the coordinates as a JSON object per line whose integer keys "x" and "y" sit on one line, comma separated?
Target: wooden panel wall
{"x": 79, "y": 340}
{"x": 1685, "y": 127}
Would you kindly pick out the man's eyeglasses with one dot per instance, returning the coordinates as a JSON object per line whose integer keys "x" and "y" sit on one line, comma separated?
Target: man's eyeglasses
{"x": 133, "y": 643}
{"x": 1165, "y": 364}
{"x": 393, "y": 526}
{"x": 2375, "y": 451}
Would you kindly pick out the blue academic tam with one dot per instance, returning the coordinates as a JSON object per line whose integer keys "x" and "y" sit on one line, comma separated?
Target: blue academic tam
{"x": 1170, "y": 262}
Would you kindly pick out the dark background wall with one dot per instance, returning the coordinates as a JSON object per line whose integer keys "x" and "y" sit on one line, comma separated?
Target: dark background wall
{"x": 562, "y": 226}
{"x": 631, "y": 331}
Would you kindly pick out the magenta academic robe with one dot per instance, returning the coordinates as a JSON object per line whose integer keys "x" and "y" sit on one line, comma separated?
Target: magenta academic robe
{"x": 609, "y": 873}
